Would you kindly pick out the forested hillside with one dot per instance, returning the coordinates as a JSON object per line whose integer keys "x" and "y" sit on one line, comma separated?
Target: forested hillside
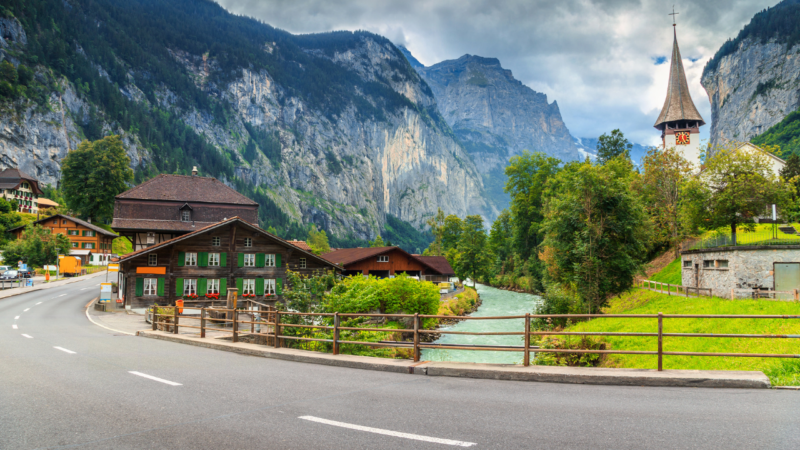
{"x": 335, "y": 129}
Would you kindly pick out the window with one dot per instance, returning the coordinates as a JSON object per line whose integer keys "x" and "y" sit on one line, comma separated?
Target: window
{"x": 213, "y": 259}
{"x": 248, "y": 242}
{"x": 55, "y": 222}
{"x": 191, "y": 259}
{"x": 213, "y": 286}
{"x": 687, "y": 263}
{"x": 88, "y": 245}
{"x": 186, "y": 216}
{"x": 150, "y": 286}
{"x": 249, "y": 286}
{"x": 269, "y": 260}
{"x": 63, "y": 222}
{"x": 74, "y": 245}
{"x": 302, "y": 263}
{"x": 216, "y": 241}
{"x": 250, "y": 260}
{"x": 189, "y": 287}
{"x": 152, "y": 259}
{"x": 151, "y": 238}
{"x": 722, "y": 264}
{"x": 73, "y": 232}
{"x": 383, "y": 258}
{"x": 269, "y": 287}
{"x": 708, "y": 264}
{"x": 89, "y": 233}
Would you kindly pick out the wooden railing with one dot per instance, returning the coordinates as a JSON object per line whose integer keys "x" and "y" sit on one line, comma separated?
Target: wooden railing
{"x": 674, "y": 289}
{"x": 278, "y": 338}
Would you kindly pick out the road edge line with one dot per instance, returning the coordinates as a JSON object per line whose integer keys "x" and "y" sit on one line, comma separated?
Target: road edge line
{"x": 101, "y": 325}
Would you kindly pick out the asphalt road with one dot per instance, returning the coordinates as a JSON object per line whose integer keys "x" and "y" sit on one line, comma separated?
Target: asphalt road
{"x": 83, "y": 395}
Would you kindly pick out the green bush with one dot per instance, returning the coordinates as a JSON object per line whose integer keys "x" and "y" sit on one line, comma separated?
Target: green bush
{"x": 402, "y": 294}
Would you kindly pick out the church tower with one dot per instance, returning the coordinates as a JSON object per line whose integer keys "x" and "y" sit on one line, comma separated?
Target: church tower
{"x": 679, "y": 120}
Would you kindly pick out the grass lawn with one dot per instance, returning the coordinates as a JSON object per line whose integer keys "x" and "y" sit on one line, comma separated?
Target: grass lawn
{"x": 781, "y": 371}
{"x": 761, "y": 236}
{"x": 670, "y": 274}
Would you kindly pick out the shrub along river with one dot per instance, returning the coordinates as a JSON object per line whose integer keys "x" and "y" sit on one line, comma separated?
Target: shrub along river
{"x": 495, "y": 302}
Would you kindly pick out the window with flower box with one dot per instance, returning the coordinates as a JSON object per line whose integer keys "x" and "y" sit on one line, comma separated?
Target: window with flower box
{"x": 213, "y": 286}
{"x": 269, "y": 286}
{"x": 189, "y": 287}
{"x": 249, "y": 287}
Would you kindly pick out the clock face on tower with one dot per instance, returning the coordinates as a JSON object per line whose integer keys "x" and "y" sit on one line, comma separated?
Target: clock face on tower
{"x": 681, "y": 138}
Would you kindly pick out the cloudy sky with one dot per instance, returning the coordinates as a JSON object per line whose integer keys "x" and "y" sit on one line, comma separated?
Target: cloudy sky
{"x": 604, "y": 61}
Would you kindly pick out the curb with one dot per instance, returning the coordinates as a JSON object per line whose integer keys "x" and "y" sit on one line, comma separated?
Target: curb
{"x": 549, "y": 374}
{"x": 88, "y": 316}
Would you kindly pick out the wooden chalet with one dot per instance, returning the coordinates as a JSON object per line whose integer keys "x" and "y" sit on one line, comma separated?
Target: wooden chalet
{"x": 169, "y": 206}
{"x": 89, "y": 242}
{"x": 17, "y": 185}
{"x": 205, "y": 262}
{"x": 384, "y": 262}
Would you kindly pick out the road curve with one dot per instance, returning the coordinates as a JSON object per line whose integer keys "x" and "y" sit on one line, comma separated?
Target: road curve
{"x": 72, "y": 384}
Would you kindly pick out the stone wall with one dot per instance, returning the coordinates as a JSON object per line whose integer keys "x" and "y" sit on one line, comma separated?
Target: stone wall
{"x": 747, "y": 267}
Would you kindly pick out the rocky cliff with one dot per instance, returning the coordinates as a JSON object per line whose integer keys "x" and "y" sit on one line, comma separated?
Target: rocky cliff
{"x": 336, "y": 130}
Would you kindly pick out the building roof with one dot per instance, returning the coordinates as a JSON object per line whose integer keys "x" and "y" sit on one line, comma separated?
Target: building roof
{"x": 345, "y": 256}
{"x": 80, "y": 252}
{"x": 218, "y": 225}
{"x": 47, "y": 203}
{"x": 185, "y": 188}
{"x": 678, "y": 104}
{"x": 301, "y": 244}
{"x": 439, "y": 263}
{"x": 11, "y": 179}
{"x": 76, "y": 220}
{"x": 157, "y": 225}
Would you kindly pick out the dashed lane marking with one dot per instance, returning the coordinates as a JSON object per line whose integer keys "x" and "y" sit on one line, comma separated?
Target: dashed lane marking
{"x": 150, "y": 377}
{"x": 41, "y": 303}
{"x": 27, "y": 336}
{"x": 62, "y": 295}
{"x": 415, "y": 437}
{"x": 27, "y": 310}
{"x": 17, "y": 318}
{"x": 87, "y": 288}
{"x": 14, "y": 326}
{"x": 64, "y": 350}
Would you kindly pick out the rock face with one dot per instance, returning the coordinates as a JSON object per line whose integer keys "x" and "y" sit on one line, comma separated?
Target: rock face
{"x": 495, "y": 115}
{"x": 752, "y": 89}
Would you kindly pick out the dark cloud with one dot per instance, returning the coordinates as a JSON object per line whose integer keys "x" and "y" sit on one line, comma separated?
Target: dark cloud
{"x": 598, "y": 58}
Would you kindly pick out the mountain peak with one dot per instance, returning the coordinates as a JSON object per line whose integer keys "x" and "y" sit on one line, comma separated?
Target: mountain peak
{"x": 411, "y": 60}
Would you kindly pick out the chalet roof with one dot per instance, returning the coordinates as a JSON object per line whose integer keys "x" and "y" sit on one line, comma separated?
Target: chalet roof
{"x": 439, "y": 263}
{"x": 345, "y": 256}
{"x": 157, "y": 225}
{"x": 184, "y": 188}
{"x": 76, "y": 220}
{"x": 46, "y": 203}
{"x": 678, "y": 104}
{"x": 214, "y": 226}
{"x": 301, "y": 244}
{"x": 11, "y": 179}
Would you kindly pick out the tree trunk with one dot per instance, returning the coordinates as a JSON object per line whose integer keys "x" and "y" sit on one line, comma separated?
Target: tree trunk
{"x": 733, "y": 234}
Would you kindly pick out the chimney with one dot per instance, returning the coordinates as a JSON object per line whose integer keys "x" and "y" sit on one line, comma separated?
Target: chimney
{"x": 194, "y": 171}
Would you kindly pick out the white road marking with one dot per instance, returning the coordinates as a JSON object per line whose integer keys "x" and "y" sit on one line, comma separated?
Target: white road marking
{"x": 415, "y": 437}
{"x": 31, "y": 337}
{"x": 15, "y": 326}
{"x": 92, "y": 286}
{"x": 17, "y": 318}
{"x": 30, "y": 309}
{"x": 161, "y": 380}
{"x": 41, "y": 303}
{"x": 66, "y": 294}
{"x": 103, "y": 326}
{"x": 64, "y": 350}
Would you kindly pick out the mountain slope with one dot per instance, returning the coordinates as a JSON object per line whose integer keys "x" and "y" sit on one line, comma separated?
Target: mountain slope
{"x": 334, "y": 129}
{"x": 753, "y": 81}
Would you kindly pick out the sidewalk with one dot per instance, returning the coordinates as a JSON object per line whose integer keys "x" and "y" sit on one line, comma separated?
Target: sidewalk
{"x": 41, "y": 285}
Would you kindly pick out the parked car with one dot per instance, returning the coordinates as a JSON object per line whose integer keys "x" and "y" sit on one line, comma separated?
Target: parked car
{"x": 4, "y": 268}
{"x": 10, "y": 275}
{"x": 24, "y": 273}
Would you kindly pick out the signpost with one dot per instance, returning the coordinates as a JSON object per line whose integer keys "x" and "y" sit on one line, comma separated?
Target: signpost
{"x": 112, "y": 267}
{"x": 105, "y": 292}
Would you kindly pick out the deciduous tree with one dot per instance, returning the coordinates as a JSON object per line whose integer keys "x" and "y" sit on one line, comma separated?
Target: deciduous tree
{"x": 474, "y": 260}
{"x": 612, "y": 146}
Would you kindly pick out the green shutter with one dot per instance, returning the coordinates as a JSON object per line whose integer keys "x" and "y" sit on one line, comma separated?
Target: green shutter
{"x": 223, "y": 260}
{"x": 181, "y": 260}
{"x": 259, "y": 260}
{"x": 179, "y": 287}
{"x": 278, "y": 260}
{"x": 202, "y": 259}
{"x": 240, "y": 285}
{"x": 83, "y": 233}
{"x": 139, "y": 287}
{"x": 259, "y": 286}
{"x": 202, "y": 284}
{"x": 279, "y": 286}
{"x": 241, "y": 259}
{"x": 160, "y": 287}
{"x": 223, "y": 286}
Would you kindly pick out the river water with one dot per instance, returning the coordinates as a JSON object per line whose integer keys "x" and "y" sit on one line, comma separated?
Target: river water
{"x": 495, "y": 302}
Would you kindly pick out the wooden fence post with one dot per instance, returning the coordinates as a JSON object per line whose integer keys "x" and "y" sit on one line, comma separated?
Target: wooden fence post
{"x": 277, "y": 328}
{"x": 526, "y": 359}
{"x": 660, "y": 339}
{"x": 235, "y": 325}
{"x": 175, "y": 320}
{"x": 202, "y": 322}
{"x": 155, "y": 315}
{"x": 416, "y": 337}
{"x": 336, "y": 333}
{"x": 733, "y": 295}
{"x": 795, "y": 294}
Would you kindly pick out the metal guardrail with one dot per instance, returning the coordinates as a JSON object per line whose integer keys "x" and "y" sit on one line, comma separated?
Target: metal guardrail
{"x": 274, "y": 321}
{"x": 22, "y": 282}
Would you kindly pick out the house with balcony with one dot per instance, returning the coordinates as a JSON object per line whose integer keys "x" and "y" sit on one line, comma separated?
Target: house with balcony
{"x": 17, "y": 185}
{"x": 89, "y": 242}
{"x": 205, "y": 263}
{"x": 385, "y": 262}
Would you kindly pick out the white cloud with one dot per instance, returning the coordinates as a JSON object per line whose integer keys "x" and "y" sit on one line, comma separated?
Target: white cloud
{"x": 595, "y": 57}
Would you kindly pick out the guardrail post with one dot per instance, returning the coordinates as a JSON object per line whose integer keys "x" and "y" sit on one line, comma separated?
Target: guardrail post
{"x": 175, "y": 320}
{"x": 277, "y": 328}
{"x": 155, "y": 321}
{"x": 202, "y": 322}
{"x": 235, "y": 316}
{"x": 526, "y": 359}
{"x": 416, "y": 337}
{"x": 336, "y": 333}
{"x": 660, "y": 339}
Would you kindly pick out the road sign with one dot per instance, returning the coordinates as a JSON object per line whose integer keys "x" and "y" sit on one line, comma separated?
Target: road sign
{"x": 105, "y": 292}
{"x": 60, "y": 256}
{"x": 50, "y": 267}
{"x": 113, "y": 267}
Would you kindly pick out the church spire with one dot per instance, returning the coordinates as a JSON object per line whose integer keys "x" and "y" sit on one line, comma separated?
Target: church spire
{"x": 678, "y": 105}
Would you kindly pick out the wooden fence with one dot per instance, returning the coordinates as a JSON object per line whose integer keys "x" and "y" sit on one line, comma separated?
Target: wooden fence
{"x": 674, "y": 289}
{"x": 273, "y": 320}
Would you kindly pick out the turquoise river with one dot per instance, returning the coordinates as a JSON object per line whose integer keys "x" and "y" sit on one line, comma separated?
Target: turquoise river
{"x": 495, "y": 302}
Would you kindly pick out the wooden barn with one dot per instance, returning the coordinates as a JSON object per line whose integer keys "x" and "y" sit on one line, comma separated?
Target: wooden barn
{"x": 384, "y": 262}
{"x": 205, "y": 262}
